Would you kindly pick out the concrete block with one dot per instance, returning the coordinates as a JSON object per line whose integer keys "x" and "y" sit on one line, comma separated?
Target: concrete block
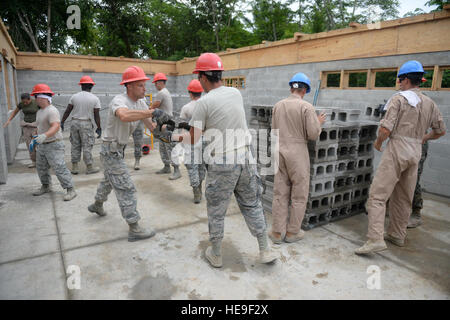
{"x": 339, "y": 213}
{"x": 347, "y": 150}
{"x": 349, "y": 134}
{"x": 342, "y": 198}
{"x": 360, "y": 193}
{"x": 319, "y": 187}
{"x": 315, "y": 219}
{"x": 368, "y": 133}
{"x": 372, "y": 113}
{"x": 346, "y": 116}
{"x": 319, "y": 203}
{"x": 322, "y": 170}
{"x": 365, "y": 149}
{"x": 343, "y": 182}
{"x": 329, "y": 135}
{"x": 365, "y": 162}
{"x": 345, "y": 166}
{"x": 363, "y": 177}
{"x": 358, "y": 207}
{"x": 324, "y": 153}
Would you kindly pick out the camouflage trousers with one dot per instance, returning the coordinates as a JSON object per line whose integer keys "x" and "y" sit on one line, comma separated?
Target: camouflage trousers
{"x": 52, "y": 155}
{"x": 117, "y": 177}
{"x": 165, "y": 151}
{"x": 417, "y": 204}
{"x": 221, "y": 182}
{"x": 82, "y": 139}
{"x": 138, "y": 138}
{"x": 193, "y": 160}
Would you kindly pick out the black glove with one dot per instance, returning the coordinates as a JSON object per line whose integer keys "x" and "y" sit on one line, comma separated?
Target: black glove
{"x": 170, "y": 125}
{"x": 62, "y": 126}
{"x": 184, "y": 125}
{"x": 160, "y": 117}
{"x": 98, "y": 132}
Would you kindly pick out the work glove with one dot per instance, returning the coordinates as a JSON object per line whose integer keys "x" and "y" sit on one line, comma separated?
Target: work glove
{"x": 170, "y": 125}
{"x": 62, "y": 126}
{"x": 40, "y": 138}
{"x": 160, "y": 117}
{"x": 33, "y": 144}
{"x": 184, "y": 125}
{"x": 98, "y": 132}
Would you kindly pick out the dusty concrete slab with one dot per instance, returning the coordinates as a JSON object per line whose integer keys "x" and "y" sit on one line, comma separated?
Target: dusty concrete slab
{"x": 171, "y": 264}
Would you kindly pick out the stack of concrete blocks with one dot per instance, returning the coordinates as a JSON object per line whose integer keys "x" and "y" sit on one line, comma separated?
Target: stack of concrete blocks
{"x": 341, "y": 163}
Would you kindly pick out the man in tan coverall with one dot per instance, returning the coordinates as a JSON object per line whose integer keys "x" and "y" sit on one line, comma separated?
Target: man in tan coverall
{"x": 409, "y": 115}
{"x": 297, "y": 123}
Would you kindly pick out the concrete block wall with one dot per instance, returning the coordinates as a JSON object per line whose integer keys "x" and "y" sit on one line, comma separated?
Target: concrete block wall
{"x": 268, "y": 85}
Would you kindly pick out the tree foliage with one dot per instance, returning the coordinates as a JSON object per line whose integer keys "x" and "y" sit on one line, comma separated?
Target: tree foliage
{"x": 170, "y": 29}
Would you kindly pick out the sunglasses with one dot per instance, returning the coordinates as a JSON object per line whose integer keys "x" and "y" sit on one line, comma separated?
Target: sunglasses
{"x": 400, "y": 79}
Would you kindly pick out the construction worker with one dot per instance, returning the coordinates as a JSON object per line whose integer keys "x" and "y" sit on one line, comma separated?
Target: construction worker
{"x": 294, "y": 121}
{"x": 28, "y": 124}
{"x": 85, "y": 107}
{"x": 163, "y": 100}
{"x": 138, "y": 140}
{"x": 125, "y": 111}
{"x": 219, "y": 112}
{"x": 49, "y": 145}
{"x": 409, "y": 115}
{"x": 193, "y": 153}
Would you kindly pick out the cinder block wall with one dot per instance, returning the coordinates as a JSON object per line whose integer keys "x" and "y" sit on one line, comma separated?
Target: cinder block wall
{"x": 268, "y": 85}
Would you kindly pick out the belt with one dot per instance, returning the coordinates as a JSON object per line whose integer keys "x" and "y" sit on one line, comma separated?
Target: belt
{"x": 407, "y": 139}
{"x": 81, "y": 119}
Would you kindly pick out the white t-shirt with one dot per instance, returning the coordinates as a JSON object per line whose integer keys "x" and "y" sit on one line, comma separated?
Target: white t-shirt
{"x": 44, "y": 118}
{"x": 84, "y": 104}
{"x": 164, "y": 97}
{"x": 220, "y": 114}
{"x": 117, "y": 130}
{"x": 188, "y": 110}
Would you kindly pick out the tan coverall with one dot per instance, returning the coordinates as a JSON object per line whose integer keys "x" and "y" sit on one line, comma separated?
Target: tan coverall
{"x": 396, "y": 175}
{"x": 297, "y": 122}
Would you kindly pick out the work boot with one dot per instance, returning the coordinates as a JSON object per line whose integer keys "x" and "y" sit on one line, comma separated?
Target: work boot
{"x": 70, "y": 194}
{"x": 32, "y": 165}
{"x": 136, "y": 164}
{"x": 176, "y": 173}
{"x": 75, "y": 168}
{"x": 415, "y": 220}
{"x": 275, "y": 239}
{"x": 394, "y": 240}
{"x": 296, "y": 237}
{"x": 197, "y": 194}
{"x": 166, "y": 169}
{"x": 91, "y": 169}
{"x": 372, "y": 246}
{"x": 97, "y": 208}
{"x": 45, "y": 188}
{"x": 267, "y": 256}
{"x": 215, "y": 261}
{"x": 137, "y": 233}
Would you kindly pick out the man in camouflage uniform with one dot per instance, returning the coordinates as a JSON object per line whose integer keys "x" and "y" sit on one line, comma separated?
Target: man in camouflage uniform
{"x": 125, "y": 111}
{"x": 49, "y": 145}
{"x": 193, "y": 153}
{"x": 219, "y": 112}
{"x": 415, "y": 219}
{"x": 84, "y": 107}
{"x": 138, "y": 139}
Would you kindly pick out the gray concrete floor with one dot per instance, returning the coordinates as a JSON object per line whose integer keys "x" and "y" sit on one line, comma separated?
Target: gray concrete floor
{"x": 41, "y": 238}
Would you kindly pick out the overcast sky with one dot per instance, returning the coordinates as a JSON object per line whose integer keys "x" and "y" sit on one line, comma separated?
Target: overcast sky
{"x": 411, "y": 5}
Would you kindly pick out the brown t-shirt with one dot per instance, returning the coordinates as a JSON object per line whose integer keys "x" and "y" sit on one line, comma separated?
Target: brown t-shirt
{"x": 44, "y": 118}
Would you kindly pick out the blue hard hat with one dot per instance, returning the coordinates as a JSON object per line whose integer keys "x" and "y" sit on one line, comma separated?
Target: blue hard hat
{"x": 410, "y": 66}
{"x": 301, "y": 77}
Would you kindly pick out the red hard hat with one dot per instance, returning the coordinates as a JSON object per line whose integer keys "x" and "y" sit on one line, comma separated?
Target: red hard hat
{"x": 41, "y": 88}
{"x": 208, "y": 62}
{"x": 195, "y": 86}
{"x": 86, "y": 80}
{"x": 159, "y": 76}
{"x": 132, "y": 74}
